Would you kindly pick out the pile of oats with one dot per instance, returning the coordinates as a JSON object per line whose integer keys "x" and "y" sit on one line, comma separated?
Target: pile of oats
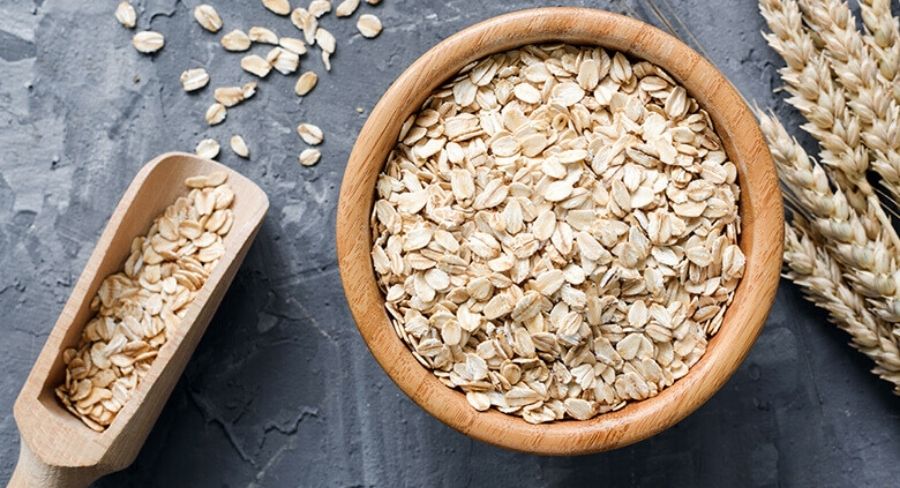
{"x": 556, "y": 232}
{"x": 136, "y": 309}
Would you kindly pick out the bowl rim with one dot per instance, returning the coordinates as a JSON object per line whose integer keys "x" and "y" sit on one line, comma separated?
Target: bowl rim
{"x": 760, "y": 208}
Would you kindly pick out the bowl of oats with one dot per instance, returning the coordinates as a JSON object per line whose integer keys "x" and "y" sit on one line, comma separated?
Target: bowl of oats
{"x": 560, "y": 231}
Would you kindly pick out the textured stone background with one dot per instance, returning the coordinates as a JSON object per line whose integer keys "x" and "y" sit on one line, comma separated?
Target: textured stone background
{"x": 282, "y": 391}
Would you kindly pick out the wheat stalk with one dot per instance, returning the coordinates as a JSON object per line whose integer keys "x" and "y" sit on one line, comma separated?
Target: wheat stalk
{"x": 869, "y": 264}
{"x": 872, "y": 266}
{"x": 808, "y": 77}
{"x": 883, "y": 38}
{"x": 841, "y": 247}
{"x": 858, "y": 72}
{"x": 812, "y": 267}
{"x": 820, "y": 278}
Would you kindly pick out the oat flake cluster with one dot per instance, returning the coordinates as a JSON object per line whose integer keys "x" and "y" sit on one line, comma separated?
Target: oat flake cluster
{"x": 137, "y": 308}
{"x": 555, "y": 232}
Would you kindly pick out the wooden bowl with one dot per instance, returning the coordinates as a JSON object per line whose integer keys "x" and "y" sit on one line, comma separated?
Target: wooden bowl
{"x": 760, "y": 207}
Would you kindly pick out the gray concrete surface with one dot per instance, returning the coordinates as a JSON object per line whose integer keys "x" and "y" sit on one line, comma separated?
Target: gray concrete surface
{"x": 282, "y": 391}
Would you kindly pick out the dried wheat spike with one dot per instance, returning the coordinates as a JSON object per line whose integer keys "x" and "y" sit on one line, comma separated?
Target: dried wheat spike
{"x": 856, "y": 69}
{"x": 811, "y": 267}
{"x": 883, "y": 38}
{"x": 869, "y": 264}
{"x": 808, "y": 78}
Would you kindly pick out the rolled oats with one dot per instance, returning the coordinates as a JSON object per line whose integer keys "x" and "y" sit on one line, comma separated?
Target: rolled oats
{"x": 306, "y": 22}
{"x": 310, "y": 134}
{"x": 216, "y": 114}
{"x": 207, "y": 148}
{"x": 293, "y": 45}
{"x": 283, "y": 60}
{"x": 309, "y": 157}
{"x": 346, "y": 8}
{"x": 236, "y": 41}
{"x": 280, "y": 7}
{"x": 136, "y": 311}
{"x": 207, "y": 17}
{"x": 368, "y": 25}
{"x": 305, "y": 83}
{"x": 319, "y": 8}
{"x": 148, "y": 42}
{"x": 556, "y": 232}
{"x": 126, "y": 15}
{"x": 194, "y": 79}
{"x": 239, "y": 146}
{"x": 262, "y": 35}
{"x": 256, "y": 65}
{"x": 229, "y": 96}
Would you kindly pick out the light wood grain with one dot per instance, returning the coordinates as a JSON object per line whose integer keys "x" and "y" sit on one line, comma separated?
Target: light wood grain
{"x": 760, "y": 208}
{"x": 57, "y": 450}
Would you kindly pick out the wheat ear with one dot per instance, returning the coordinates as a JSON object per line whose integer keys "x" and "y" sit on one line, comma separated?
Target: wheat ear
{"x": 808, "y": 78}
{"x": 857, "y": 70}
{"x": 819, "y": 276}
{"x": 869, "y": 264}
{"x": 883, "y": 38}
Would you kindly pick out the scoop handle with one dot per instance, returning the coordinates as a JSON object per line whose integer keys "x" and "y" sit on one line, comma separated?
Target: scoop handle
{"x": 31, "y": 472}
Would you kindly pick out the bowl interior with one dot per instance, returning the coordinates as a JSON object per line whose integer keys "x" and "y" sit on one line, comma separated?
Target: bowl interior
{"x": 760, "y": 208}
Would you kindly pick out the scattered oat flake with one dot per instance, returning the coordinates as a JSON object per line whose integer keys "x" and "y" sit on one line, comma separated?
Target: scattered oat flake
{"x": 305, "y": 83}
{"x": 310, "y": 134}
{"x": 256, "y": 65}
{"x": 262, "y": 35}
{"x": 306, "y": 22}
{"x": 346, "y": 8}
{"x": 284, "y": 61}
{"x": 194, "y": 79}
{"x": 309, "y": 157}
{"x": 207, "y": 17}
{"x": 236, "y": 41}
{"x": 229, "y": 96}
{"x": 325, "y": 40}
{"x": 126, "y": 15}
{"x": 248, "y": 90}
{"x": 207, "y": 148}
{"x": 293, "y": 45}
{"x": 239, "y": 146}
{"x": 318, "y": 8}
{"x": 272, "y": 55}
{"x": 215, "y": 114}
{"x": 148, "y": 42}
{"x": 369, "y": 25}
{"x": 280, "y": 7}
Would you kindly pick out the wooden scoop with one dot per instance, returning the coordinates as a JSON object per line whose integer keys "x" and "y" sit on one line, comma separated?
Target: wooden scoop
{"x": 57, "y": 450}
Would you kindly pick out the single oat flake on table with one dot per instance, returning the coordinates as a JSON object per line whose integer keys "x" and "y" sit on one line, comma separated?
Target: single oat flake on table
{"x": 148, "y": 42}
{"x": 137, "y": 309}
{"x": 555, "y": 232}
{"x": 126, "y": 15}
